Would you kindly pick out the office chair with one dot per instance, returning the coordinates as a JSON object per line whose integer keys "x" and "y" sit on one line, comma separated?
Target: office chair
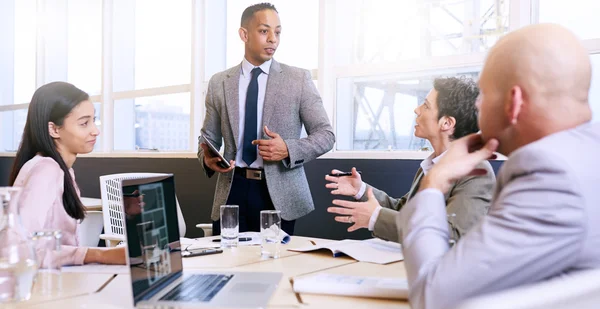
{"x": 112, "y": 206}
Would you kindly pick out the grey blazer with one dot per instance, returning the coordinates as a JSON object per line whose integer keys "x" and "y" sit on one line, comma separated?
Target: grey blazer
{"x": 291, "y": 101}
{"x": 469, "y": 199}
{"x": 543, "y": 222}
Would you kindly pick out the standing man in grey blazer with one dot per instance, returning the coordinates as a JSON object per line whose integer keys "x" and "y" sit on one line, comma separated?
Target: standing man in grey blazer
{"x": 448, "y": 113}
{"x": 544, "y": 220}
{"x": 257, "y": 109}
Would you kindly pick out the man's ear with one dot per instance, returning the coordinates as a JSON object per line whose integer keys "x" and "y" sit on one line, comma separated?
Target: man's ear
{"x": 53, "y": 130}
{"x": 514, "y": 105}
{"x": 243, "y": 32}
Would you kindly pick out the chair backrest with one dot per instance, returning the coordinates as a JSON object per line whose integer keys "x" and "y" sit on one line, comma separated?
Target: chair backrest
{"x": 112, "y": 200}
{"x": 579, "y": 290}
{"x": 89, "y": 231}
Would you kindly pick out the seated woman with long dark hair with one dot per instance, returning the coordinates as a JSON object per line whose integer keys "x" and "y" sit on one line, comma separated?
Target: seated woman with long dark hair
{"x": 60, "y": 125}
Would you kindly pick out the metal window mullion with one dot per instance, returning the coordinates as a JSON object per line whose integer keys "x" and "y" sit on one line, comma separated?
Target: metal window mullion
{"x": 107, "y": 80}
{"x": 197, "y": 78}
{"x": 326, "y": 58}
{"x": 40, "y": 45}
{"x": 520, "y": 13}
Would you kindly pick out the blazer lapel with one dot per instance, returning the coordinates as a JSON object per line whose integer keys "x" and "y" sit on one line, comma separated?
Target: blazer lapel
{"x": 416, "y": 182}
{"x": 232, "y": 99}
{"x": 272, "y": 94}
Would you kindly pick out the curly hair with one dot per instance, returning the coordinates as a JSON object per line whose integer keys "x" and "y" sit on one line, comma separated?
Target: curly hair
{"x": 249, "y": 11}
{"x": 456, "y": 98}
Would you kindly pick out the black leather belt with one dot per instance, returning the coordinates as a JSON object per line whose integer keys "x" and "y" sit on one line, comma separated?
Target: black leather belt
{"x": 250, "y": 173}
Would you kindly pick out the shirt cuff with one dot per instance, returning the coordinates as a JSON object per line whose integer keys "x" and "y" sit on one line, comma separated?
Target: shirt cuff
{"x": 373, "y": 218}
{"x": 361, "y": 191}
{"x": 432, "y": 191}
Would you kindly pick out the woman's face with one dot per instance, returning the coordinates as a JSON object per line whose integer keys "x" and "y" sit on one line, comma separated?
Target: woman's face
{"x": 78, "y": 132}
{"x": 427, "y": 123}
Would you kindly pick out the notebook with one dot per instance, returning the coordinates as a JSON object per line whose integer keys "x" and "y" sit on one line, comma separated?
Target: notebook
{"x": 371, "y": 250}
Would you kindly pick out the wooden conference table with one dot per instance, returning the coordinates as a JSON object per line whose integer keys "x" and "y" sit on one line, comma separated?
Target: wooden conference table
{"x": 107, "y": 291}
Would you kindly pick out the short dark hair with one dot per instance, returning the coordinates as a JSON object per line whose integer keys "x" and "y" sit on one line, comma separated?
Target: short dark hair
{"x": 456, "y": 98}
{"x": 249, "y": 11}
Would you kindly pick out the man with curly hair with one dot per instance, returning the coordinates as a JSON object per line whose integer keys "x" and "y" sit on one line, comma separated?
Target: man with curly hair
{"x": 448, "y": 113}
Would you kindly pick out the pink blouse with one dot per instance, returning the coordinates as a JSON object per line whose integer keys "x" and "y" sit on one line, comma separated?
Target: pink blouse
{"x": 41, "y": 206}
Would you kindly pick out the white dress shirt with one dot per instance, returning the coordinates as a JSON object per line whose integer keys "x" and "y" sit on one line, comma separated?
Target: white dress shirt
{"x": 426, "y": 165}
{"x": 245, "y": 78}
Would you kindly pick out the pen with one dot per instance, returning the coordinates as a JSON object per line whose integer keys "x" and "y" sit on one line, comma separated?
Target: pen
{"x": 240, "y": 239}
{"x": 343, "y": 174}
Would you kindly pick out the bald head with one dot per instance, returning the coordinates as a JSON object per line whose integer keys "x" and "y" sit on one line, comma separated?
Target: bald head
{"x": 538, "y": 78}
{"x": 545, "y": 59}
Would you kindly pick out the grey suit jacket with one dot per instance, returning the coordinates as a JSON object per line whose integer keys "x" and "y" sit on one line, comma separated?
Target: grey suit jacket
{"x": 544, "y": 222}
{"x": 469, "y": 198}
{"x": 291, "y": 101}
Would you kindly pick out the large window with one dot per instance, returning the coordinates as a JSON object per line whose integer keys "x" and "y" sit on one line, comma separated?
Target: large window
{"x": 299, "y": 43}
{"x": 387, "y": 55}
{"x": 579, "y": 16}
{"x": 146, "y": 63}
{"x": 381, "y": 113}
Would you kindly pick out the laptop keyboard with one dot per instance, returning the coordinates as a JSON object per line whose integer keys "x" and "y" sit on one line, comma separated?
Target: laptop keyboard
{"x": 200, "y": 288}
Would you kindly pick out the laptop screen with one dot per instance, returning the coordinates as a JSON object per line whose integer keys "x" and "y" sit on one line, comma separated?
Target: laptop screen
{"x": 152, "y": 232}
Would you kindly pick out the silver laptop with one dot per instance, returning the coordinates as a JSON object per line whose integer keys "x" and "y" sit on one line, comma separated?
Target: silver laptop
{"x": 157, "y": 277}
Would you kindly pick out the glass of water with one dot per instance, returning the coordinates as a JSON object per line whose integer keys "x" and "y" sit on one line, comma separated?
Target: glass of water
{"x": 230, "y": 226}
{"x": 47, "y": 244}
{"x": 270, "y": 233}
{"x": 18, "y": 263}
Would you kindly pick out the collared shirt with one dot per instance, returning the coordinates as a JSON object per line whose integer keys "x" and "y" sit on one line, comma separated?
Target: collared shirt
{"x": 426, "y": 165}
{"x": 245, "y": 78}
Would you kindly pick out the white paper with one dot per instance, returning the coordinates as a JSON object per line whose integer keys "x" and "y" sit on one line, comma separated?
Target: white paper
{"x": 372, "y": 250}
{"x": 335, "y": 284}
{"x": 207, "y": 242}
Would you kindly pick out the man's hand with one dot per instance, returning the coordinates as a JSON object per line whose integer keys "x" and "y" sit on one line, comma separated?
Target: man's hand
{"x": 211, "y": 161}
{"x": 459, "y": 161}
{"x": 273, "y": 149}
{"x": 345, "y": 185}
{"x": 358, "y": 213}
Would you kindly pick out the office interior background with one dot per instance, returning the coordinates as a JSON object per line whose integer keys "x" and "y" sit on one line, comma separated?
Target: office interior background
{"x": 146, "y": 65}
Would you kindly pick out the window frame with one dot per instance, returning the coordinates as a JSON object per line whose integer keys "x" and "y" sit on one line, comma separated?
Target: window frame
{"x": 521, "y": 13}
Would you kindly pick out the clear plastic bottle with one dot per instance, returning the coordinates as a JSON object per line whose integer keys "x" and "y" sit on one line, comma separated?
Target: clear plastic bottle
{"x": 18, "y": 264}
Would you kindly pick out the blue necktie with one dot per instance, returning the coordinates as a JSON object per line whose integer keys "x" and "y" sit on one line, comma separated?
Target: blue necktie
{"x": 250, "y": 122}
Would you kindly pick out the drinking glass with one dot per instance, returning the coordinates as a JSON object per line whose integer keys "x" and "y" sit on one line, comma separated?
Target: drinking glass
{"x": 230, "y": 226}
{"x": 18, "y": 264}
{"x": 270, "y": 233}
{"x": 47, "y": 244}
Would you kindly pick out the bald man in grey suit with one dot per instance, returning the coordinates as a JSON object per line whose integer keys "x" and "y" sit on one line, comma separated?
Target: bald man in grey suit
{"x": 257, "y": 109}
{"x": 544, "y": 220}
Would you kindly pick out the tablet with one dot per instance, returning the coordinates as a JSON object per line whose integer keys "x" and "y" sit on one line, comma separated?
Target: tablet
{"x": 223, "y": 163}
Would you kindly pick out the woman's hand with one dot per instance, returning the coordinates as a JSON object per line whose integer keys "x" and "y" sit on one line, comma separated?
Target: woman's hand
{"x": 344, "y": 185}
{"x": 112, "y": 256}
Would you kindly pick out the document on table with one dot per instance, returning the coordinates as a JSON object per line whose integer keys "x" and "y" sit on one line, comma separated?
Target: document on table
{"x": 334, "y": 284}
{"x": 371, "y": 250}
